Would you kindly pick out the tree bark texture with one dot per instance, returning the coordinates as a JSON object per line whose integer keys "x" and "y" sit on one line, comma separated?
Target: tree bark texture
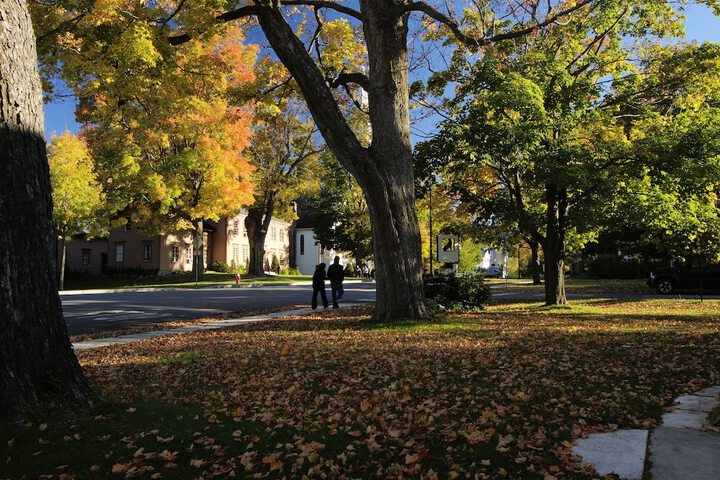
{"x": 198, "y": 264}
{"x": 554, "y": 246}
{"x": 535, "y": 262}
{"x": 257, "y": 224}
{"x": 384, "y": 170}
{"x": 37, "y": 363}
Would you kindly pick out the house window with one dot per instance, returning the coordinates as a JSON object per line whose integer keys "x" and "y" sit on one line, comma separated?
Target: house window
{"x": 174, "y": 253}
{"x": 188, "y": 255}
{"x": 246, "y": 254}
{"x": 128, "y": 226}
{"x": 236, "y": 227}
{"x": 282, "y": 235}
{"x": 274, "y": 233}
{"x": 86, "y": 256}
{"x": 236, "y": 254}
{"x": 119, "y": 252}
{"x": 146, "y": 251}
{"x": 302, "y": 244}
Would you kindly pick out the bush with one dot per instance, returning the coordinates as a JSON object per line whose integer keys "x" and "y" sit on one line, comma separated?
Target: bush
{"x": 218, "y": 266}
{"x": 290, "y": 271}
{"x": 465, "y": 292}
{"x": 472, "y": 290}
{"x": 275, "y": 264}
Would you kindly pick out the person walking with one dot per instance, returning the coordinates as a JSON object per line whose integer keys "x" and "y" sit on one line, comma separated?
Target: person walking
{"x": 319, "y": 286}
{"x": 336, "y": 275}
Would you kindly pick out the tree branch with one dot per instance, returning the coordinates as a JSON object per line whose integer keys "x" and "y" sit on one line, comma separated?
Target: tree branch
{"x": 355, "y": 77}
{"x": 325, "y": 4}
{"x": 480, "y": 42}
{"x": 242, "y": 12}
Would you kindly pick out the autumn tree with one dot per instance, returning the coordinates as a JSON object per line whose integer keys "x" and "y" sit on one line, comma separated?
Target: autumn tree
{"x": 76, "y": 192}
{"x": 384, "y": 169}
{"x": 538, "y": 124}
{"x": 38, "y": 364}
{"x": 283, "y": 152}
{"x": 168, "y": 144}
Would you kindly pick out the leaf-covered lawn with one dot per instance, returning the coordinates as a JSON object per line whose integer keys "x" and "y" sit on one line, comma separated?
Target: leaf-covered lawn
{"x": 490, "y": 395}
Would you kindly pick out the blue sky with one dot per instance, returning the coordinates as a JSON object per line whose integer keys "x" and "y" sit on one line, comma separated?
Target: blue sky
{"x": 701, "y": 25}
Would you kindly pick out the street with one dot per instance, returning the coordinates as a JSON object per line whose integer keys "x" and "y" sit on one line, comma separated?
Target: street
{"x": 97, "y": 312}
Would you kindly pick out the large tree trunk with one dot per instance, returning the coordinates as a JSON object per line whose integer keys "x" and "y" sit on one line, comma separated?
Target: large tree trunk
{"x": 535, "y": 262}
{"x": 383, "y": 171}
{"x": 257, "y": 224}
{"x": 554, "y": 246}
{"x": 37, "y": 363}
{"x": 391, "y": 196}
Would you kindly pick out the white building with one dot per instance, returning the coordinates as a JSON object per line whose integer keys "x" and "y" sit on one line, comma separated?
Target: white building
{"x": 308, "y": 252}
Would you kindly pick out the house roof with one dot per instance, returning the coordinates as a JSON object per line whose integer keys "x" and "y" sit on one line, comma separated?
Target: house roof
{"x": 305, "y": 218}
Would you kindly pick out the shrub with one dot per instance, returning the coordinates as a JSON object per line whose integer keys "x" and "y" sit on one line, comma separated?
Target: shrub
{"x": 465, "y": 292}
{"x": 218, "y": 266}
{"x": 275, "y": 264}
{"x": 472, "y": 291}
{"x": 290, "y": 271}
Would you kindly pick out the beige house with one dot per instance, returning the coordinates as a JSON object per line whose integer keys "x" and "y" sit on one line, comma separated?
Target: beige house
{"x": 231, "y": 244}
{"x": 127, "y": 248}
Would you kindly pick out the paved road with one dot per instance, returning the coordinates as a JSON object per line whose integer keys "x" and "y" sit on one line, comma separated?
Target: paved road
{"x": 97, "y": 312}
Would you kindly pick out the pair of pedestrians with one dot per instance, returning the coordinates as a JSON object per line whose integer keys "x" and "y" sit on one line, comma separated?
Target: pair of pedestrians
{"x": 336, "y": 275}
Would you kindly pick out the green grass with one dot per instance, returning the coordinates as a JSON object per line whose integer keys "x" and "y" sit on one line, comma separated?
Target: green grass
{"x": 180, "y": 280}
{"x": 578, "y": 285}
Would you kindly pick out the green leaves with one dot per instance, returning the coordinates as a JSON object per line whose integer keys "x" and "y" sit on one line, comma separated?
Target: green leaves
{"x": 77, "y": 197}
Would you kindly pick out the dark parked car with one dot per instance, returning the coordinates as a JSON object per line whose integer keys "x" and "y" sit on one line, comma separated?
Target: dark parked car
{"x": 688, "y": 276}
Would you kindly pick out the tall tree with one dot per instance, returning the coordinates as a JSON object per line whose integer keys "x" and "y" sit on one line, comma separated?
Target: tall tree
{"x": 38, "y": 364}
{"x": 544, "y": 120}
{"x": 283, "y": 151}
{"x": 77, "y": 196}
{"x": 383, "y": 170}
{"x": 168, "y": 144}
{"x": 671, "y": 205}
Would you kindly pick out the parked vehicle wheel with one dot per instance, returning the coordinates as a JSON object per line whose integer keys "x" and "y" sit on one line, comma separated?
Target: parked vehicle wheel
{"x": 665, "y": 286}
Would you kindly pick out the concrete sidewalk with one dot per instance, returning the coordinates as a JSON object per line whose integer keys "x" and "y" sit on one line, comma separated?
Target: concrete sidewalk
{"x": 677, "y": 449}
{"x": 136, "y": 337}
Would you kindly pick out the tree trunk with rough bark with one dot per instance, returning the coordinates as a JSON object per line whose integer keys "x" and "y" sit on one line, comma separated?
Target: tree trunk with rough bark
{"x": 554, "y": 246}
{"x": 37, "y": 363}
{"x": 535, "y": 262}
{"x": 384, "y": 170}
{"x": 257, "y": 224}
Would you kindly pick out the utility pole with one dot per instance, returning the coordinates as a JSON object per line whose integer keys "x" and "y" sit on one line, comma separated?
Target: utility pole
{"x": 431, "y": 232}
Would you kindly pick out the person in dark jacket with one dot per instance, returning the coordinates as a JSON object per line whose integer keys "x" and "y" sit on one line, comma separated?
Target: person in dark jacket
{"x": 336, "y": 275}
{"x": 319, "y": 286}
